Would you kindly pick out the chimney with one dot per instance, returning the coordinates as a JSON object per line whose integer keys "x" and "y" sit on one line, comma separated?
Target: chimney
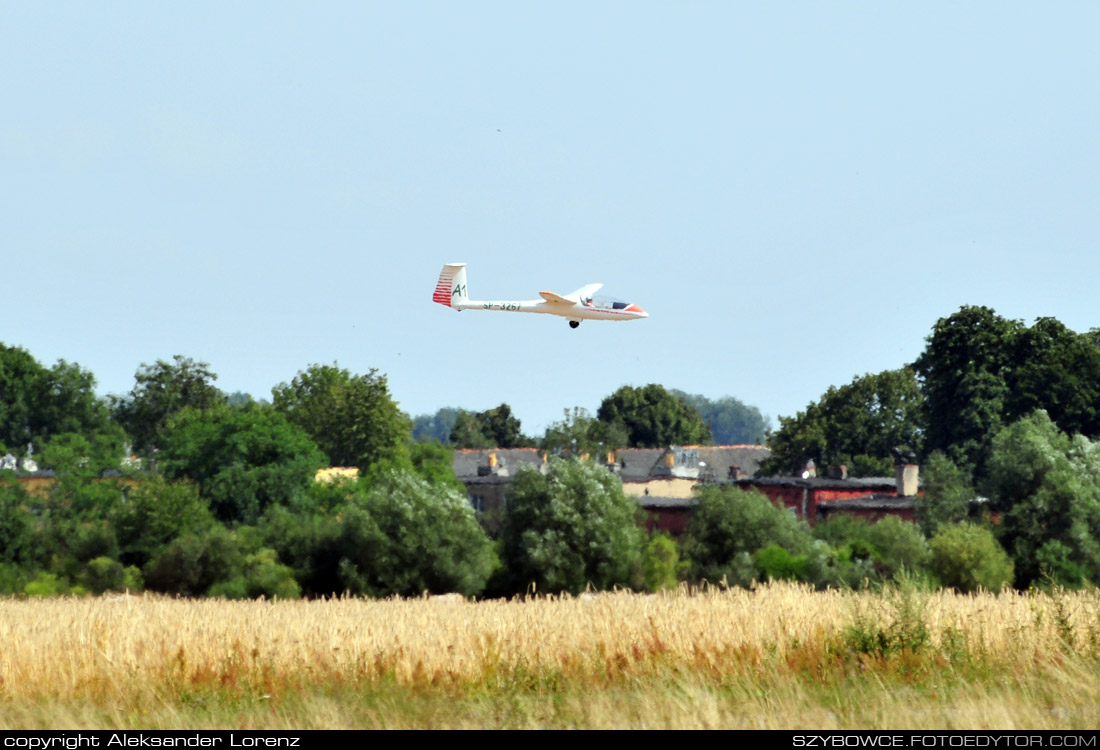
{"x": 908, "y": 475}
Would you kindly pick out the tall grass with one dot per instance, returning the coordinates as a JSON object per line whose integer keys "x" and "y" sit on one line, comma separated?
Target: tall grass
{"x": 780, "y": 656}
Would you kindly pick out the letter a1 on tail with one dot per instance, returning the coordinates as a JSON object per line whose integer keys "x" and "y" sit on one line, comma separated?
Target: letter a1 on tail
{"x": 583, "y": 304}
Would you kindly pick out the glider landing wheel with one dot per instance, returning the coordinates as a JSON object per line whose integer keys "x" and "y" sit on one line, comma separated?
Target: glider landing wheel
{"x": 574, "y": 323}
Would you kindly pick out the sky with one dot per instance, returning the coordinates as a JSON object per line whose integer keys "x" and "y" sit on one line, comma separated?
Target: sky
{"x": 794, "y": 191}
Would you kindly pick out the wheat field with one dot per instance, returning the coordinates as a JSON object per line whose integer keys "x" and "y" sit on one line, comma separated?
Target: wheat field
{"x": 782, "y": 656}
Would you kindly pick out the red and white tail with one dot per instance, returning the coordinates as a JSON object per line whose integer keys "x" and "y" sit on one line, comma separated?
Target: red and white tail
{"x": 451, "y": 287}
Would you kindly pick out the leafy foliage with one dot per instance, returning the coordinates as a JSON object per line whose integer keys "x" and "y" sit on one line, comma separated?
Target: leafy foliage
{"x": 947, "y": 494}
{"x": 492, "y": 428}
{"x": 437, "y": 427}
{"x": 967, "y": 557}
{"x": 1046, "y": 486}
{"x": 858, "y": 425}
{"x": 407, "y": 537}
{"x": 156, "y": 512}
{"x": 569, "y": 528}
{"x": 980, "y": 371}
{"x": 731, "y": 422}
{"x": 352, "y": 418}
{"x": 579, "y": 434}
{"x": 193, "y": 563}
{"x": 653, "y": 418}
{"x": 163, "y": 390}
{"x": 243, "y": 459}
{"x": 729, "y": 525}
{"x": 661, "y": 566}
{"x": 37, "y": 403}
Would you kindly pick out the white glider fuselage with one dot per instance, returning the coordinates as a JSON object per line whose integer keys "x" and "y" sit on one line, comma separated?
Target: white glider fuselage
{"x": 583, "y": 304}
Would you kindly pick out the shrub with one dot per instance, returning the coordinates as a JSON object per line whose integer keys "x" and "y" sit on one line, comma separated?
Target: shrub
{"x": 405, "y": 537}
{"x": 661, "y": 566}
{"x": 967, "y": 557}
{"x": 729, "y": 525}
{"x": 569, "y": 528}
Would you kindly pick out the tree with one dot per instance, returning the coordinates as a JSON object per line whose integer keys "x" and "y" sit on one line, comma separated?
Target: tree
{"x": 37, "y": 403}
{"x": 980, "y": 372}
{"x": 1056, "y": 370}
{"x": 467, "y": 432}
{"x": 569, "y": 528}
{"x": 243, "y": 459}
{"x": 163, "y": 390}
{"x": 858, "y": 425}
{"x": 352, "y": 418}
{"x": 967, "y": 557}
{"x": 729, "y": 526}
{"x": 438, "y": 426}
{"x": 492, "y": 428}
{"x": 947, "y": 494}
{"x": 155, "y": 513}
{"x": 731, "y": 422}
{"x": 1046, "y": 487}
{"x": 407, "y": 537}
{"x": 653, "y": 418}
{"x": 578, "y": 433}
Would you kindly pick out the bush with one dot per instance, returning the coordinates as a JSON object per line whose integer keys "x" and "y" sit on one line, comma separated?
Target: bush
{"x": 155, "y": 513}
{"x": 192, "y": 564}
{"x": 569, "y": 528}
{"x": 103, "y": 574}
{"x": 729, "y": 526}
{"x": 898, "y": 545}
{"x": 967, "y": 557}
{"x": 405, "y": 537}
{"x": 661, "y": 566}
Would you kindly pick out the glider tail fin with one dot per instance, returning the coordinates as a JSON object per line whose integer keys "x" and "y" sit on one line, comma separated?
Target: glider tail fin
{"x": 451, "y": 287}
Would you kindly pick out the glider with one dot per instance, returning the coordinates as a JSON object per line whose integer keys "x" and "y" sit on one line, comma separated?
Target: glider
{"x": 583, "y": 304}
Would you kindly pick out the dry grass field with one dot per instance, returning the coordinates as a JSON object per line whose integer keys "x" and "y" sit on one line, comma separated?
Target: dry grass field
{"x": 779, "y": 657}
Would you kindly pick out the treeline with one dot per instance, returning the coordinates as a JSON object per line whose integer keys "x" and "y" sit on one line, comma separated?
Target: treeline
{"x": 646, "y": 417}
{"x": 217, "y": 494}
{"x": 1004, "y": 418}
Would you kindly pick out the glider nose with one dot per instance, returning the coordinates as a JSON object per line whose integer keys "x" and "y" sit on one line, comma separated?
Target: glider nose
{"x": 638, "y": 312}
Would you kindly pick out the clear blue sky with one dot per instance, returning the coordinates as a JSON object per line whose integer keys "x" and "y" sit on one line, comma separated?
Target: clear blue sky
{"x": 794, "y": 191}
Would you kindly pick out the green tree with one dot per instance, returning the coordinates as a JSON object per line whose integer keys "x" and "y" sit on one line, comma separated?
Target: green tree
{"x": 37, "y": 403}
{"x": 352, "y": 418}
{"x": 967, "y": 557}
{"x": 653, "y": 418}
{"x": 438, "y": 426}
{"x": 947, "y": 494}
{"x": 569, "y": 528}
{"x": 243, "y": 459}
{"x": 858, "y": 425}
{"x": 1056, "y": 370}
{"x": 467, "y": 432}
{"x": 193, "y": 563}
{"x": 661, "y": 566}
{"x": 492, "y": 428}
{"x": 155, "y": 513}
{"x": 728, "y": 526}
{"x": 731, "y": 422}
{"x": 964, "y": 371}
{"x": 406, "y": 537}
{"x": 14, "y": 521}
{"x": 161, "y": 391}
{"x": 899, "y": 546}
{"x": 578, "y": 433}
{"x": 1046, "y": 487}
